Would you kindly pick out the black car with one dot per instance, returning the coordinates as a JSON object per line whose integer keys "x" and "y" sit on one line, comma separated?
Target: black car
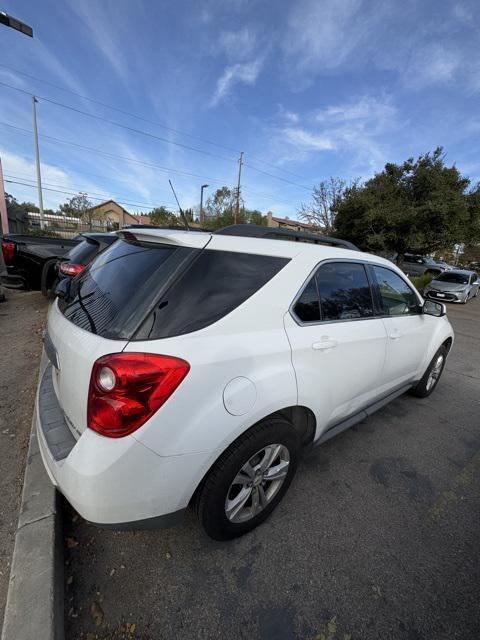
{"x": 75, "y": 261}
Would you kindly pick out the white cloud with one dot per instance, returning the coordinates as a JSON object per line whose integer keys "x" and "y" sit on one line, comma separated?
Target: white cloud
{"x": 98, "y": 23}
{"x": 245, "y": 73}
{"x": 308, "y": 140}
{"x": 323, "y": 34}
{"x": 356, "y": 128}
{"x": 422, "y": 46}
{"x": 238, "y": 45}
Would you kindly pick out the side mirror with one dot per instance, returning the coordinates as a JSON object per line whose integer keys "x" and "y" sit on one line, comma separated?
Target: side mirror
{"x": 62, "y": 290}
{"x": 432, "y": 308}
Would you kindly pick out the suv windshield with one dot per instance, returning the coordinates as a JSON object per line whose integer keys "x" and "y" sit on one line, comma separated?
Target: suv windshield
{"x": 457, "y": 278}
{"x": 142, "y": 291}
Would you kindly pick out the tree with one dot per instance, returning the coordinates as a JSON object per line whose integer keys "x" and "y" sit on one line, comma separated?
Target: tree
{"x": 220, "y": 210}
{"x": 321, "y": 210}
{"x": 420, "y": 205}
{"x": 162, "y": 217}
{"x": 78, "y": 206}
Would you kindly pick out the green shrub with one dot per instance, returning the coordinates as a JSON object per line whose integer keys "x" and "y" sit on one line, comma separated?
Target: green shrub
{"x": 420, "y": 282}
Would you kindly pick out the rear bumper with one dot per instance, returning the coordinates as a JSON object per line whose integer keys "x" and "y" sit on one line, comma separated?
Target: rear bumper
{"x": 115, "y": 483}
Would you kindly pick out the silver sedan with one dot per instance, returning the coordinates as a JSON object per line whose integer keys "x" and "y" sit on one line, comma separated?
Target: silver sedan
{"x": 453, "y": 286}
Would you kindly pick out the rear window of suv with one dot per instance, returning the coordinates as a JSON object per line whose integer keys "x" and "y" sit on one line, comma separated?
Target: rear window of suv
{"x": 145, "y": 291}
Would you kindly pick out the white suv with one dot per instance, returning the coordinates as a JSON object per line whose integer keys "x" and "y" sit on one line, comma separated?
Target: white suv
{"x": 189, "y": 368}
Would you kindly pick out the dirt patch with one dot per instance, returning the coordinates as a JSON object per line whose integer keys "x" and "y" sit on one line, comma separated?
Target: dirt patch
{"x": 21, "y": 323}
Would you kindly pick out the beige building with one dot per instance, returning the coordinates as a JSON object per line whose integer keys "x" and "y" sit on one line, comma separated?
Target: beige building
{"x": 287, "y": 223}
{"x": 110, "y": 211}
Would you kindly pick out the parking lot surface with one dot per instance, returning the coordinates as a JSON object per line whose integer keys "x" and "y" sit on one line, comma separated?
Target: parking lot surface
{"x": 378, "y": 537}
{"x": 21, "y": 322}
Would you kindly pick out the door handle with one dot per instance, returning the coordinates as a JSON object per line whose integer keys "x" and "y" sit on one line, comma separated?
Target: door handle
{"x": 325, "y": 343}
{"x": 395, "y": 335}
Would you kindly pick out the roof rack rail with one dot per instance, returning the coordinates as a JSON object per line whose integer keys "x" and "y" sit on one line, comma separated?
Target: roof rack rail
{"x": 173, "y": 227}
{"x": 276, "y": 233}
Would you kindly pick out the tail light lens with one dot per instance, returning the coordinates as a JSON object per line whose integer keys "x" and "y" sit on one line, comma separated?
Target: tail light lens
{"x": 127, "y": 388}
{"x": 8, "y": 250}
{"x": 71, "y": 269}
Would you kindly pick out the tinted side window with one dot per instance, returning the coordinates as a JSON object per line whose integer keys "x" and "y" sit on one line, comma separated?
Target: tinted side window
{"x": 307, "y": 307}
{"x": 397, "y": 298}
{"x": 216, "y": 283}
{"x": 111, "y": 297}
{"x": 83, "y": 253}
{"x": 344, "y": 291}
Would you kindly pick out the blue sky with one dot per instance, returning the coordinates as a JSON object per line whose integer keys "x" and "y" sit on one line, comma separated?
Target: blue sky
{"x": 306, "y": 88}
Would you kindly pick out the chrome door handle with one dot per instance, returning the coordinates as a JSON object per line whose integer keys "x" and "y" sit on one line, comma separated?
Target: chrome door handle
{"x": 325, "y": 343}
{"x": 395, "y": 335}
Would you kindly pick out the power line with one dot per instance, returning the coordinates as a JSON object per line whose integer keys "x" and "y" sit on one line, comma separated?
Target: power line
{"x": 116, "y": 156}
{"x": 118, "y": 110}
{"x": 151, "y": 135}
{"x": 73, "y": 193}
{"x": 297, "y": 184}
{"x": 144, "y": 119}
{"x": 91, "y": 193}
{"x": 119, "y": 124}
{"x": 109, "y": 155}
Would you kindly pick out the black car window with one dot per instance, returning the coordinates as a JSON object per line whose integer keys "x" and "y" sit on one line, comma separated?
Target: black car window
{"x": 307, "y": 307}
{"x": 453, "y": 276}
{"x": 344, "y": 291}
{"x": 397, "y": 297}
{"x": 214, "y": 285}
{"x": 144, "y": 291}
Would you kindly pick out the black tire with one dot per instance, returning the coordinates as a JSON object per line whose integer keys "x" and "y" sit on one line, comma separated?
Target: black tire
{"x": 423, "y": 388}
{"x": 49, "y": 278}
{"x": 210, "y": 498}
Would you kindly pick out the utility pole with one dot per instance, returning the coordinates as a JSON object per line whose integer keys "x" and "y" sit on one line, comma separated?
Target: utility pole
{"x": 237, "y": 208}
{"x": 37, "y": 162}
{"x": 204, "y": 186}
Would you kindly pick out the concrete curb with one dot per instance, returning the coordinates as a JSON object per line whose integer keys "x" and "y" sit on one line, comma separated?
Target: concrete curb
{"x": 34, "y": 606}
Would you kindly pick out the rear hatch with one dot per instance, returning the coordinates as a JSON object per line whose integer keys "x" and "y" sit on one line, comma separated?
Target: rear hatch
{"x": 106, "y": 304}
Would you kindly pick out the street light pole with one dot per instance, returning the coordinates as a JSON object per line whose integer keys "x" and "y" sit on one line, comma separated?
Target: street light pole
{"x": 37, "y": 162}
{"x": 204, "y": 186}
{"x": 13, "y": 23}
{"x": 237, "y": 207}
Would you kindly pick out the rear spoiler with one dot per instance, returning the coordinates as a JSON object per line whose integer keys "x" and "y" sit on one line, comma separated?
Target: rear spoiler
{"x": 193, "y": 239}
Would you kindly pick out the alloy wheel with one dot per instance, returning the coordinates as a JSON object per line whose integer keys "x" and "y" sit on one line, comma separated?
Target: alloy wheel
{"x": 435, "y": 372}
{"x": 257, "y": 483}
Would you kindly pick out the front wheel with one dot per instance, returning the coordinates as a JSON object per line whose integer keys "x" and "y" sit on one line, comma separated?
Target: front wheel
{"x": 432, "y": 375}
{"x": 248, "y": 480}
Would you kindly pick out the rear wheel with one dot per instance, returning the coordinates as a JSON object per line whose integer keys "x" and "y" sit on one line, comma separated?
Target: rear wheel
{"x": 248, "y": 480}
{"x": 432, "y": 375}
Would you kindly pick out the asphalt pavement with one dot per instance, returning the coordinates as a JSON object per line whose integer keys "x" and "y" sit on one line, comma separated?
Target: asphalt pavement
{"x": 377, "y": 538}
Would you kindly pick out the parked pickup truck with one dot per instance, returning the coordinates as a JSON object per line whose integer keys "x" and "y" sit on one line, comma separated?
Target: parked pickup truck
{"x": 25, "y": 257}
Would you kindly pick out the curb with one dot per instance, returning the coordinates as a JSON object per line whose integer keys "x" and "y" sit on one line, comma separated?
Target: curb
{"x": 34, "y": 606}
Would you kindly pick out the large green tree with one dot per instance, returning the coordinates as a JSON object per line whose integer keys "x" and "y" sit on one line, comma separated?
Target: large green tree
{"x": 162, "y": 217}
{"x": 421, "y": 205}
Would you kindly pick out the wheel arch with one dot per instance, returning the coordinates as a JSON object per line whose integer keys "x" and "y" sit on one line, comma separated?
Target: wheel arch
{"x": 300, "y": 417}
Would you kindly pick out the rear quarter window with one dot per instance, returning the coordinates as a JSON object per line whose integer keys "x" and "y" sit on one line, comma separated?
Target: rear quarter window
{"x": 215, "y": 284}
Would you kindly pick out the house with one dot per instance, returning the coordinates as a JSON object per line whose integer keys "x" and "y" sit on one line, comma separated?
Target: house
{"x": 113, "y": 213}
{"x": 287, "y": 223}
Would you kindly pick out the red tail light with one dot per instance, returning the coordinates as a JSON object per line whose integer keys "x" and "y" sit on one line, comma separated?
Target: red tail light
{"x": 8, "y": 250}
{"x": 71, "y": 269}
{"x": 127, "y": 388}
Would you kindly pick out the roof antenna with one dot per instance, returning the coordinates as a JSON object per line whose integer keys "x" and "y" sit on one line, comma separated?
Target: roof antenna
{"x": 184, "y": 217}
